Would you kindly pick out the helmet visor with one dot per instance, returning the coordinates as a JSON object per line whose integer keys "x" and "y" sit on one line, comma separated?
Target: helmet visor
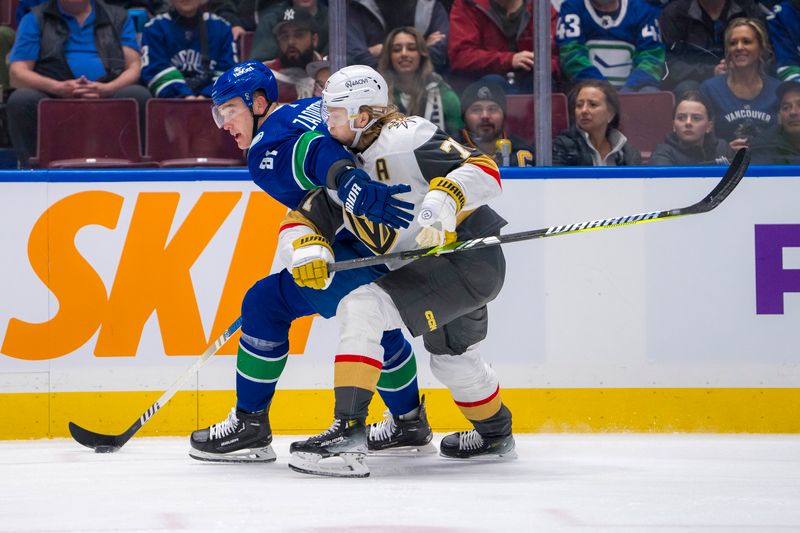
{"x": 335, "y": 116}
{"x": 227, "y": 111}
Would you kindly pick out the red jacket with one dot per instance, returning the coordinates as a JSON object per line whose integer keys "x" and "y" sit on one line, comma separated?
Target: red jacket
{"x": 477, "y": 45}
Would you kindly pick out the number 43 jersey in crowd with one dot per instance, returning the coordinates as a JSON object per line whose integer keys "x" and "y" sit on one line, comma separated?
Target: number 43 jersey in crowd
{"x": 623, "y": 47}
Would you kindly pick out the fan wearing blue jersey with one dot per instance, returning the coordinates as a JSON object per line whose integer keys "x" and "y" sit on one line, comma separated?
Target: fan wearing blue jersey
{"x": 185, "y": 50}
{"x": 614, "y": 40}
{"x": 784, "y": 32}
{"x": 290, "y": 154}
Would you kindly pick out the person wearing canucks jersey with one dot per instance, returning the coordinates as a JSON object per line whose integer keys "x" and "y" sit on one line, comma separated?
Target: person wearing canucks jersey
{"x": 784, "y": 32}
{"x": 184, "y": 50}
{"x": 615, "y": 40}
{"x": 291, "y": 153}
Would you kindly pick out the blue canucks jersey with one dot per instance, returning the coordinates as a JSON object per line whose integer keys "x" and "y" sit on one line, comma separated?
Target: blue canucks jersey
{"x": 624, "y": 47}
{"x": 784, "y": 31}
{"x": 172, "y": 62}
{"x": 292, "y": 152}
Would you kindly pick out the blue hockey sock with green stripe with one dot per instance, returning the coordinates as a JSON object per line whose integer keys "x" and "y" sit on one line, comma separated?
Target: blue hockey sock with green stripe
{"x": 259, "y": 364}
{"x": 398, "y": 381}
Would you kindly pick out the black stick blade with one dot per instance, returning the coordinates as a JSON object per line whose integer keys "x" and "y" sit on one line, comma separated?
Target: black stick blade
{"x": 729, "y": 181}
{"x": 97, "y": 441}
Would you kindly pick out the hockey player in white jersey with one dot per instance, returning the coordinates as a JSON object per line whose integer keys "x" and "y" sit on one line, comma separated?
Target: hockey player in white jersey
{"x": 443, "y": 298}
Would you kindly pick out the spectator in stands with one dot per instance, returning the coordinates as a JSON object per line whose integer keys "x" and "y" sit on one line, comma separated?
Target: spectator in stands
{"x": 614, "y": 40}
{"x": 413, "y": 85}
{"x": 483, "y": 105}
{"x": 496, "y": 37}
{"x": 319, "y": 71}
{"x": 265, "y": 42}
{"x": 297, "y": 38}
{"x": 70, "y": 49}
{"x": 229, "y": 10}
{"x": 693, "y": 32}
{"x": 369, "y": 21}
{"x": 743, "y": 99}
{"x": 692, "y": 141}
{"x": 7, "y": 35}
{"x": 593, "y": 138}
{"x": 151, "y": 6}
{"x": 781, "y": 144}
{"x": 185, "y": 50}
{"x": 784, "y": 31}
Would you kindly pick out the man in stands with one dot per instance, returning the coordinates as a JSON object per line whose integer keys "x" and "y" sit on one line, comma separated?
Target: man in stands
{"x": 70, "y": 49}
{"x": 297, "y": 38}
{"x": 185, "y": 50}
{"x": 483, "y": 106}
{"x": 784, "y": 32}
{"x": 495, "y": 37}
{"x": 265, "y": 42}
{"x": 781, "y": 146}
{"x": 614, "y": 40}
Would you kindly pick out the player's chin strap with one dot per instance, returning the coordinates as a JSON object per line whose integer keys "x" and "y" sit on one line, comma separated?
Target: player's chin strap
{"x": 256, "y": 117}
{"x": 359, "y": 131}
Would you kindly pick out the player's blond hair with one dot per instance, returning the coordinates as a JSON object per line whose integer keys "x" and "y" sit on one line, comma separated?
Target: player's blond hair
{"x": 382, "y": 116}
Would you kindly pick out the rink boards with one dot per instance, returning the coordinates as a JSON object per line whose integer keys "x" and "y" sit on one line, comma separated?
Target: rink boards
{"x": 111, "y": 281}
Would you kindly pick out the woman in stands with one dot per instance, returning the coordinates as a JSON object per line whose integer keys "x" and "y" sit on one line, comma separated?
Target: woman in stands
{"x": 743, "y": 98}
{"x": 692, "y": 141}
{"x": 593, "y": 138}
{"x": 413, "y": 85}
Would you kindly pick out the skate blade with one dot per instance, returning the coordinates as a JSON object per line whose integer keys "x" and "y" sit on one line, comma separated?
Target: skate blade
{"x": 405, "y": 451}
{"x": 353, "y": 464}
{"x": 488, "y": 457}
{"x": 252, "y": 455}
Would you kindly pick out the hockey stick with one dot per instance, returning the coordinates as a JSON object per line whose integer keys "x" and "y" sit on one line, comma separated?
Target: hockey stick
{"x": 729, "y": 181}
{"x": 110, "y": 443}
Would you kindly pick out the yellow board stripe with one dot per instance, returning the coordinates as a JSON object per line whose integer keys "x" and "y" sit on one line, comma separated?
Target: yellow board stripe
{"x": 740, "y": 410}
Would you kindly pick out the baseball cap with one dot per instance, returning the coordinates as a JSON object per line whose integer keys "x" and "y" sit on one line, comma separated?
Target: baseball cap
{"x": 301, "y": 18}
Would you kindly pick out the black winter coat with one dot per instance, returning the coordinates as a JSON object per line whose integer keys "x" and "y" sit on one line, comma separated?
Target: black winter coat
{"x": 673, "y": 152}
{"x": 570, "y": 149}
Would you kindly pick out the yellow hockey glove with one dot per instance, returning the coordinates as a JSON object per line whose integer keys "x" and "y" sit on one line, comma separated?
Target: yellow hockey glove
{"x": 310, "y": 259}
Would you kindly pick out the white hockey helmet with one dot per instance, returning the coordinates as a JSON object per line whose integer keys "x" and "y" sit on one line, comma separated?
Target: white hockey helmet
{"x": 352, "y": 87}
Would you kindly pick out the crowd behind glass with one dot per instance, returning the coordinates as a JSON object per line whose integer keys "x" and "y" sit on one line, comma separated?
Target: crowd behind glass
{"x": 727, "y": 70}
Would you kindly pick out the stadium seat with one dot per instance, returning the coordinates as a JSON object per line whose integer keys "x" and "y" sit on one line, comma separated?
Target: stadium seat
{"x": 8, "y": 13}
{"x": 646, "y": 119}
{"x": 520, "y": 115}
{"x": 245, "y": 45}
{"x": 181, "y": 133}
{"x": 88, "y": 133}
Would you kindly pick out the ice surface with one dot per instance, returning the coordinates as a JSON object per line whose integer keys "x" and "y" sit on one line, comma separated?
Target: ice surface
{"x": 560, "y": 482}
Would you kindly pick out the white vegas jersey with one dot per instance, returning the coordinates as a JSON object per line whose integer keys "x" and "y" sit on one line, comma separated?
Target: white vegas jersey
{"x": 414, "y": 151}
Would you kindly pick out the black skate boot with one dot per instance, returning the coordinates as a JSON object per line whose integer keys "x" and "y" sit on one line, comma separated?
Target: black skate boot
{"x": 394, "y": 436}
{"x": 240, "y": 438}
{"x": 471, "y": 445}
{"x": 346, "y": 439}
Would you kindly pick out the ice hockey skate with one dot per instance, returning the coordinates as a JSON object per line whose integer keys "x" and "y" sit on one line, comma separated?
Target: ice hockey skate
{"x": 396, "y": 437}
{"x": 240, "y": 438}
{"x": 339, "y": 451}
{"x": 471, "y": 445}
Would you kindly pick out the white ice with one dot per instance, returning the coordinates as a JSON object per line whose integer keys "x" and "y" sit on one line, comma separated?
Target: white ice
{"x": 579, "y": 482}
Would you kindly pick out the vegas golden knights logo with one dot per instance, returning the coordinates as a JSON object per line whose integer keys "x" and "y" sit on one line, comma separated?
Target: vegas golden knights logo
{"x": 377, "y": 237}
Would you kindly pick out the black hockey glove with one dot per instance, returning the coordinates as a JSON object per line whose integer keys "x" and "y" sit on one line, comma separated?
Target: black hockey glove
{"x": 365, "y": 197}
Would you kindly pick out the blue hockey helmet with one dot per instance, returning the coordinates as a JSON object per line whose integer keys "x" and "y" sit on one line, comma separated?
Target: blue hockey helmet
{"x": 243, "y": 80}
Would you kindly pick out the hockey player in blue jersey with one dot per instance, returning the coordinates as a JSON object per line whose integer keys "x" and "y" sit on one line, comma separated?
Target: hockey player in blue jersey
{"x": 614, "y": 40}
{"x": 185, "y": 50}
{"x": 291, "y": 153}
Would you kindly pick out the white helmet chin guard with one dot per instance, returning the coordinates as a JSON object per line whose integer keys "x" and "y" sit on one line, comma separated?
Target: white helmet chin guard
{"x": 352, "y": 87}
